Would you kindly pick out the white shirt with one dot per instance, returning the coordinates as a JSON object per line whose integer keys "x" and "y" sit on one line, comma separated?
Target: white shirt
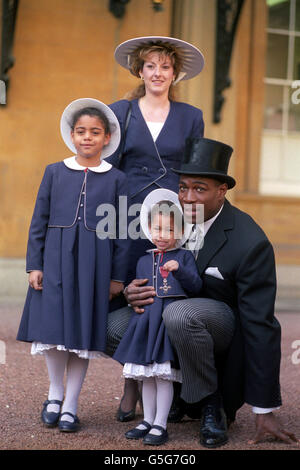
{"x": 154, "y": 128}
{"x": 195, "y": 234}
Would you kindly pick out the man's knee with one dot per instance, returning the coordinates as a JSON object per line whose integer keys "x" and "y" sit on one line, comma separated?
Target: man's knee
{"x": 174, "y": 316}
{"x": 192, "y": 314}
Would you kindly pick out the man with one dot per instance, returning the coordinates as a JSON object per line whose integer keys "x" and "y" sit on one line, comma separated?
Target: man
{"x": 227, "y": 339}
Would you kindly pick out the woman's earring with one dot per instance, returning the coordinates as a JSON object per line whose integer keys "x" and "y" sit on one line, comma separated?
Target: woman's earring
{"x": 142, "y": 78}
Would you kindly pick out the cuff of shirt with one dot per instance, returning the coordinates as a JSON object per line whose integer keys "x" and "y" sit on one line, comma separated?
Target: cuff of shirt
{"x": 261, "y": 411}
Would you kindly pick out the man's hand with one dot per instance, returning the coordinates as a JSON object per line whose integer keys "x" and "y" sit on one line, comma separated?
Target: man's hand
{"x": 137, "y": 294}
{"x": 268, "y": 424}
{"x": 35, "y": 280}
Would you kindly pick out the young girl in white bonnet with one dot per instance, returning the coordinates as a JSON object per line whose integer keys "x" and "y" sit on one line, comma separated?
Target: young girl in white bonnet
{"x": 145, "y": 349}
{"x": 73, "y": 271}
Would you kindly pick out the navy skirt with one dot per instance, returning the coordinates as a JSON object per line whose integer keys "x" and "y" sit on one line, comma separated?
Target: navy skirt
{"x": 72, "y": 308}
{"x": 146, "y": 340}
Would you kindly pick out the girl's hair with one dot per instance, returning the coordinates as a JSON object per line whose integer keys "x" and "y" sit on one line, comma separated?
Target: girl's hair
{"x": 167, "y": 208}
{"x": 138, "y": 57}
{"x": 92, "y": 112}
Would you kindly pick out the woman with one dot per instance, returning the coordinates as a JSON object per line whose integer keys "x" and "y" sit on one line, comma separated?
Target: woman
{"x": 154, "y": 130}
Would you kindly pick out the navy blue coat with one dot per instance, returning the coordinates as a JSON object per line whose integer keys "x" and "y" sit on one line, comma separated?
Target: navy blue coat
{"x": 145, "y": 168}
{"x": 71, "y": 309}
{"x": 58, "y": 202}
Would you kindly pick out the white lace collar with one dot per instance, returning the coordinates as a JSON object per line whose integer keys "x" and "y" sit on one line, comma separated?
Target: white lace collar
{"x": 71, "y": 163}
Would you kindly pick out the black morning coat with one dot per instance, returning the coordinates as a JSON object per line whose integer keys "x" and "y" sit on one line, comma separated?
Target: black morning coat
{"x": 240, "y": 250}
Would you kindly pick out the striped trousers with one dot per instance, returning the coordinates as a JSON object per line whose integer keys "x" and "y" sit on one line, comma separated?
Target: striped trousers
{"x": 198, "y": 328}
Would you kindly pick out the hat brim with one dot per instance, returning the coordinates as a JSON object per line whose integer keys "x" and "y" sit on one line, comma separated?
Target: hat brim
{"x": 81, "y": 103}
{"x": 193, "y": 59}
{"x": 216, "y": 176}
{"x": 153, "y": 198}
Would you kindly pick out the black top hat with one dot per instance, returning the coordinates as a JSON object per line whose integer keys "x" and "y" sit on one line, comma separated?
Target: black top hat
{"x": 208, "y": 158}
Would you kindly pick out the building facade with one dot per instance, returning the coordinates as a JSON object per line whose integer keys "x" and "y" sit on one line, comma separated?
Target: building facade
{"x": 63, "y": 50}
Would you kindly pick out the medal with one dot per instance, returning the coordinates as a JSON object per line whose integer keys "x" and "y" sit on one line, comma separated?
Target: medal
{"x": 164, "y": 274}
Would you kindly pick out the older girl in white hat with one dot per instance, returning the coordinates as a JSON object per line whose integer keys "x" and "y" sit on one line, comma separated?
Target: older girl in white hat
{"x": 72, "y": 271}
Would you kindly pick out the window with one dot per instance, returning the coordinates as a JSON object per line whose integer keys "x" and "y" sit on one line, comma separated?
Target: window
{"x": 280, "y": 150}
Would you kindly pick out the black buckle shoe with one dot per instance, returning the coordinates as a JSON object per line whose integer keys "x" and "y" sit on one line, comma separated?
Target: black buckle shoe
{"x": 50, "y": 418}
{"x": 68, "y": 426}
{"x": 156, "y": 440}
{"x": 213, "y": 429}
{"x": 138, "y": 433}
{"x": 125, "y": 416}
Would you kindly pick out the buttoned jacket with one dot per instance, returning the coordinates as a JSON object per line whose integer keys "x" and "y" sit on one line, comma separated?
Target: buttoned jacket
{"x": 60, "y": 195}
{"x": 185, "y": 282}
{"x": 145, "y": 162}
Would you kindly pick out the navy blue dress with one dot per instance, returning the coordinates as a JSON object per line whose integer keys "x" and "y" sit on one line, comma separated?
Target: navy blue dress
{"x": 146, "y": 341}
{"x": 77, "y": 265}
{"x": 148, "y": 164}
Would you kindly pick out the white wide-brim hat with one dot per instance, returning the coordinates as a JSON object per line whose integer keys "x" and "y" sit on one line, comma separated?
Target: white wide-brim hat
{"x": 156, "y": 196}
{"x": 193, "y": 59}
{"x": 81, "y": 103}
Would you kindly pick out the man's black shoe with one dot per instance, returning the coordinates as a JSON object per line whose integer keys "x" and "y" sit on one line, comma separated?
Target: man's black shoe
{"x": 213, "y": 429}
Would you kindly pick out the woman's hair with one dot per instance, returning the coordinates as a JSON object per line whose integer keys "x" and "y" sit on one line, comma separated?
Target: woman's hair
{"x": 92, "y": 112}
{"x": 168, "y": 208}
{"x": 139, "y": 56}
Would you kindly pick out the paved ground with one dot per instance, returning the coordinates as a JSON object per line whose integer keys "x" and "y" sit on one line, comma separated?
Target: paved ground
{"x": 24, "y": 383}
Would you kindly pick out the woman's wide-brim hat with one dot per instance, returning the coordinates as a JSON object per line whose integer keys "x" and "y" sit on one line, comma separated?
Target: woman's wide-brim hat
{"x": 208, "y": 158}
{"x": 81, "y": 103}
{"x": 193, "y": 59}
{"x": 153, "y": 198}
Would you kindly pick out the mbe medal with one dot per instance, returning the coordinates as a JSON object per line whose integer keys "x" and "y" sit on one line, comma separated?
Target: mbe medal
{"x": 164, "y": 274}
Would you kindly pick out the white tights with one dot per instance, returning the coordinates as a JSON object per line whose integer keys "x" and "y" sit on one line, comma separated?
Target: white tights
{"x": 157, "y": 400}
{"x": 57, "y": 362}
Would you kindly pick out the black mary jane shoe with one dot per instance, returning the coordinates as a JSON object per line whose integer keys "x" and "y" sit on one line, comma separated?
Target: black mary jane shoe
{"x": 138, "y": 433}
{"x": 156, "y": 440}
{"x": 50, "y": 418}
{"x": 125, "y": 416}
{"x": 213, "y": 427}
{"x": 68, "y": 426}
